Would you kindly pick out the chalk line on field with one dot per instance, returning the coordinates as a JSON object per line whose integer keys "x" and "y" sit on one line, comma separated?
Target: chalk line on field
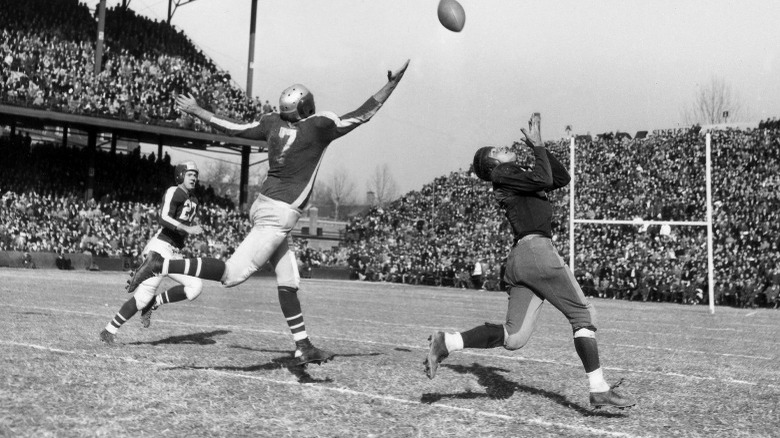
{"x": 340, "y": 390}
{"x": 515, "y": 357}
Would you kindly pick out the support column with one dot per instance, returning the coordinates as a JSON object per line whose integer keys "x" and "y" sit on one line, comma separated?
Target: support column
{"x": 91, "y": 147}
{"x": 243, "y": 192}
{"x": 113, "y": 143}
{"x": 251, "y": 62}
{"x": 100, "y": 37}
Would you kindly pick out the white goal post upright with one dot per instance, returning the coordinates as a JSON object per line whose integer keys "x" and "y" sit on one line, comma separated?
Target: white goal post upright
{"x": 707, "y": 223}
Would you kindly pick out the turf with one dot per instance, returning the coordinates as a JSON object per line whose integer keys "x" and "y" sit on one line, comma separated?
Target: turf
{"x": 222, "y": 366}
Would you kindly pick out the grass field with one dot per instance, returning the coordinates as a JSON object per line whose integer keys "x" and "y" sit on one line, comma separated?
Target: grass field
{"x": 219, "y": 366}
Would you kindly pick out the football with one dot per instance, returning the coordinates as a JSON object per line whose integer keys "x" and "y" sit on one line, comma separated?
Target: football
{"x": 451, "y": 15}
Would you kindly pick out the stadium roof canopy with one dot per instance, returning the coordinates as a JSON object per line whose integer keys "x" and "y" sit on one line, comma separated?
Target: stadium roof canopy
{"x": 155, "y": 134}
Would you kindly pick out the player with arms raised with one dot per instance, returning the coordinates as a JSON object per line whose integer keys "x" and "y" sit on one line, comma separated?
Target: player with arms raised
{"x": 297, "y": 138}
{"x": 178, "y": 210}
{"x": 534, "y": 270}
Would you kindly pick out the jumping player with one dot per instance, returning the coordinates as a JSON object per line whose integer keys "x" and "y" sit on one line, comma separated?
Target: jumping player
{"x": 535, "y": 272}
{"x": 177, "y": 212}
{"x": 297, "y": 138}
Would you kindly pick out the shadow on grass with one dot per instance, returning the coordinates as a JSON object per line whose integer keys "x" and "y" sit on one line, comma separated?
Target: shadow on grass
{"x": 497, "y": 387}
{"x": 278, "y": 363}
{"x": 284, "y": 351}
{"x": 191, "y": 339}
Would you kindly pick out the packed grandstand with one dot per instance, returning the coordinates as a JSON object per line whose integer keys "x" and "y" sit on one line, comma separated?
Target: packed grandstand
{"x": 47, "y": 63}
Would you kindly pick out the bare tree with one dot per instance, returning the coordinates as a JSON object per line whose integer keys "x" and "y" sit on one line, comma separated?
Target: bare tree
{"x": 223, "y": 177}
{"x": 714, "y": 102}
{"x": 341, "y": 189}
{"x": 320, "y": 195}
{"x": 383, "y": 184}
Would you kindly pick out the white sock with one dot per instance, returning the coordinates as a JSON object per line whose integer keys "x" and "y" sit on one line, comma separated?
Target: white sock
{"x": 453, "y": 341}
{"x": 111, "y": 329}
{"x": 597, "y": 382}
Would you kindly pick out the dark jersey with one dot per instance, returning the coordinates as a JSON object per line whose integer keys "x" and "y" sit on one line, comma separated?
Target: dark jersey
{"x": 177, "y": 208}
{"x": 295, "y": 150}
{"x": 522, "y": 193}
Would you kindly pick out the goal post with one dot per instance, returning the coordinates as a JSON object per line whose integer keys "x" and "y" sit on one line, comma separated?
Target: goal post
{"x": 707, "y": 223}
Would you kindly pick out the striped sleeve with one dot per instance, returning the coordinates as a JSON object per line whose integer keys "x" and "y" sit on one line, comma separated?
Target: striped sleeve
{"x": 253, "y": 130}
{"x": 168, "y": 209}
{"x": 353, "y": 119}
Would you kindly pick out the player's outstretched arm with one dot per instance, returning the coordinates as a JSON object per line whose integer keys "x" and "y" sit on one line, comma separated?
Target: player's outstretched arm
{"x": 189, "y": 105}
{"x": 393, "y": 78}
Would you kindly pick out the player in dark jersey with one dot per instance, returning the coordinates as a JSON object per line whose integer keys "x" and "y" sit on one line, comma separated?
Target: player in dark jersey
{"x": 535, "y": 272}
{"x": 177, "y": 211}
{"x": 297, "y": 138}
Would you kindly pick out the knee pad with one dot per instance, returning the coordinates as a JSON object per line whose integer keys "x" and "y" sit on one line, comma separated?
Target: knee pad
{"x": 585, "y": 332}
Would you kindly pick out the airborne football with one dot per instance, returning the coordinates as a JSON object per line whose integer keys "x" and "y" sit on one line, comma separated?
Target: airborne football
{"x": 451, "y": 15}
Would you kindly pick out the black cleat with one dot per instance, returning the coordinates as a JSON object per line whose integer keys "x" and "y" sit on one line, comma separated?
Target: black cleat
{"x": 306, "y": 353}
{"x": 611, "y": 398}
{"x": 437, "y": 353}
{"x": 107, "y": 337}
{"x": 152, "y": 266}
{"x": 146, "y": 313}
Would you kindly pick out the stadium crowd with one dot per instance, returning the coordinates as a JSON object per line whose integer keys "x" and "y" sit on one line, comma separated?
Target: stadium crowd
{"x": 44, "y": 207}
{"x": 48, "y": 55}
{"x": 449, "y": 233}
{"x": 444, "y": 233}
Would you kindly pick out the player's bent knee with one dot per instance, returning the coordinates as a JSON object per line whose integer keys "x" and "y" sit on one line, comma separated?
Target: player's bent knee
{"x": 517, "y": 340}
{"x": 235, "y": 275}
{"x": 143, "y": 296}
{"x": 193, "y": 290}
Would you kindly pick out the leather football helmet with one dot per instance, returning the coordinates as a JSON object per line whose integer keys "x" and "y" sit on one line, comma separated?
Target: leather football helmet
{"x": 484, "y": 163}
{"x": 296, "y": 103}
{"x": 182, "y": 168}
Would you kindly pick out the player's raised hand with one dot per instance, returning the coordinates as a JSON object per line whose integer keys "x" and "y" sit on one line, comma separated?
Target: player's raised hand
{"x": 195, "y": 230}
{"x": 395, "y": 77}
{"x": 187, "y": 103}
{"x": 533, "y": 135}
{"x": 392, "y": 80}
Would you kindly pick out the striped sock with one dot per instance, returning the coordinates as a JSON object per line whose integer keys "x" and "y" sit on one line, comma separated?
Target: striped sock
{"x": 172, "y": 295}
{"x": 201, "y": 267}
{"x": 126, "y": 312}
{"x": 291, "y": 309}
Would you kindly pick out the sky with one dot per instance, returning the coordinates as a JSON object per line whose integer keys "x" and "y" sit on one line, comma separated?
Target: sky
{"x": 597, "y": 66}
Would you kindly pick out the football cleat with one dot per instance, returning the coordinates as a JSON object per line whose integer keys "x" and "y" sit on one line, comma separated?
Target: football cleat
{"x": 146, "y": 313}
{"x": 306, "y": 353}
{"x": 611, "y": 398}
{"x": 152, "y": 266}
{"x": 436, "y": 353}
{"x": 107, "y": 337}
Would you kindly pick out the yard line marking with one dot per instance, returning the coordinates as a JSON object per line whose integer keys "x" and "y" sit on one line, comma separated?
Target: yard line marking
{"x": 340, "y": 390}
{"x": 677, "y": 350}
{"x": 751, "y": 313}
{"x": 425, "y": 348}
